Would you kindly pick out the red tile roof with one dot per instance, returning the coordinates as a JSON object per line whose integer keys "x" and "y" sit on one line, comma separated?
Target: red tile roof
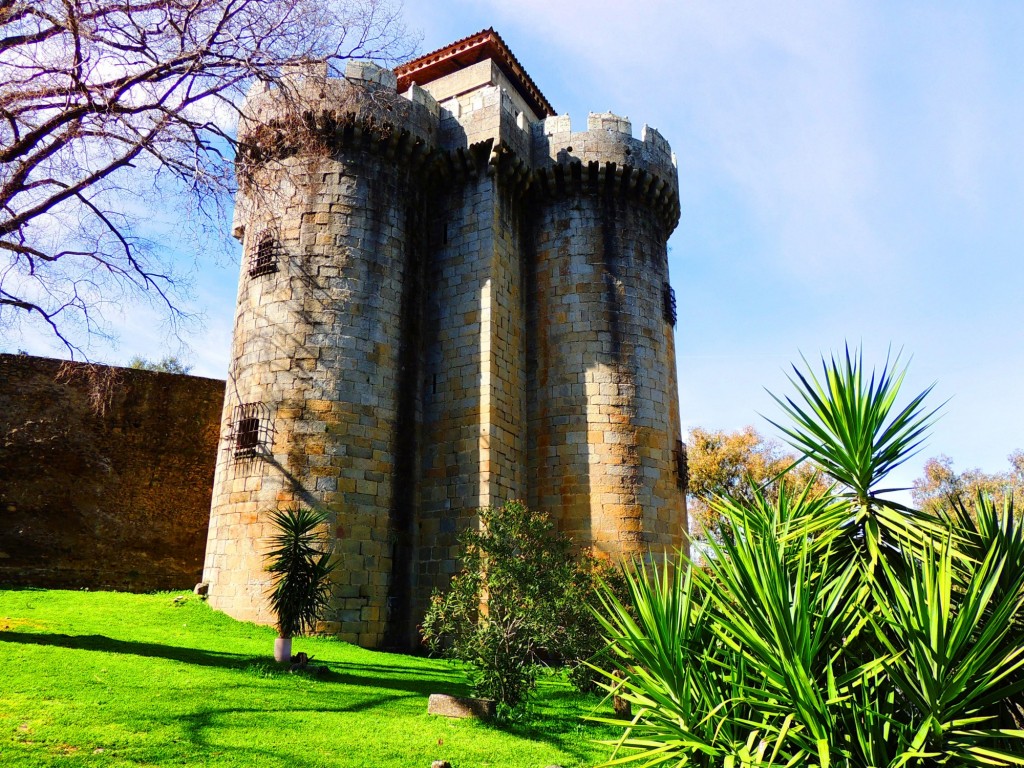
{"x": 471, "y": 50}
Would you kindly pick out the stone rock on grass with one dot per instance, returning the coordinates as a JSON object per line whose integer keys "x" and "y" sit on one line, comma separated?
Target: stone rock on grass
{"x": 459, "y": 706}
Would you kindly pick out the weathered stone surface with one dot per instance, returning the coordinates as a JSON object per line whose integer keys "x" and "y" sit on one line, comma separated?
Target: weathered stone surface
{"x": 459, "y": 706}
{"x": 105, "y": 475}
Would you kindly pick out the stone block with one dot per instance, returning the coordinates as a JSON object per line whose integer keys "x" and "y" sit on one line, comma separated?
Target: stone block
{"x": 460, "y": 706}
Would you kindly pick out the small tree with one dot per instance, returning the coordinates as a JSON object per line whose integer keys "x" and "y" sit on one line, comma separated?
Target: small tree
{"x": 737, "y": 464}
{"x": 301, "y": 568}
{"x": 167, "y": 364}
{"x": 519, "y": 602}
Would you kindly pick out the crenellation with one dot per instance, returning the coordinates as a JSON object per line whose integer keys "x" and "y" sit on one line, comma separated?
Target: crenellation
{"x": 369, "y": 72}
{"x": 417, "y": 95}
{"x": 610, "y": 122}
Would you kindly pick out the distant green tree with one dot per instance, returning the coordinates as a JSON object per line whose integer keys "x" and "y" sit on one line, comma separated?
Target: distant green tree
{"x": 167, "y": 364}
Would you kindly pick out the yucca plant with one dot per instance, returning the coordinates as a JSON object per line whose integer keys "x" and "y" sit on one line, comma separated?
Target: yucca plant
{"x": 841, "y": 630}
{"x": 682, "y": 682}
{"x": 734, "y": 663}
{"x": 982, "y": 528}
{"x": 848, "y": 423}
{"x": 301, "y": 566}
{"x": 949, "y": 659}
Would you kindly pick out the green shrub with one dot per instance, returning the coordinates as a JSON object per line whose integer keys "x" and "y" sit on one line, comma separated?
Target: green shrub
{"x": 843, "y": 630}
{"x": 519, "y": 602}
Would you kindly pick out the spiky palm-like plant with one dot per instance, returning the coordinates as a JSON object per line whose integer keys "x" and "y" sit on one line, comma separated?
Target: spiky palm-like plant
{"x": 301, "y": 567}
{"x": 847, "y": 422}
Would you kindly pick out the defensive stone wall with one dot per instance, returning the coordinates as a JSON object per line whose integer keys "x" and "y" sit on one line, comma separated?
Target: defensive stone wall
{"x": 604, "y": 421}
{"x": 105, "y": 475}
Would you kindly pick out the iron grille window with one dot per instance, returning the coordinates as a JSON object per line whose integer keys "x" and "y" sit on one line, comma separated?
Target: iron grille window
{"x": 250, "y": 430}
{"x": 682, "y": 467}
{"x": 263, "y": 260}
{"x": 668, "y": 300}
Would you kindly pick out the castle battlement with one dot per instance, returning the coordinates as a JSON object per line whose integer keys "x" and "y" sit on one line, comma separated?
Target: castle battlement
{"x": 448, "y": 300}
{"x": 479, "y": 106}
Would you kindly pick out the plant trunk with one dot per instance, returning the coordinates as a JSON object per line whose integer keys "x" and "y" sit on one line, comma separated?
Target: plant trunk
{"x": 283, "y": 649}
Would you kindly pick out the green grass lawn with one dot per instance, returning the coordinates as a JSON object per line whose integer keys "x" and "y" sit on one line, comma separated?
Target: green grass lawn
{"x": 111, "y": 679}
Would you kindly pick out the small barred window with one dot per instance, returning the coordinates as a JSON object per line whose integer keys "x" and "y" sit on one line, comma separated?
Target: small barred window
{"x": 263, "y": 260}
{"x": 250, "y": 430}
{"x": 682, "y": 467}
{"x": 247, "y": 439}
{"x": 668, "y": 298}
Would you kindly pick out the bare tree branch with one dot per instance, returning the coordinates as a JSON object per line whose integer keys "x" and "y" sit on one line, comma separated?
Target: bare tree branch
{"x": 107, "y": 106}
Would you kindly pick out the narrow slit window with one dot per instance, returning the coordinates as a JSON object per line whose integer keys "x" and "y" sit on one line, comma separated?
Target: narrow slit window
{"x": 438, "y": 233}
{"x": 668, "y": 299}
{"x": 682, "y": 467}
{"x": 265, "y": 257}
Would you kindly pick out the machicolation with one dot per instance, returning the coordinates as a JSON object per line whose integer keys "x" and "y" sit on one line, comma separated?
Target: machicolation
{"x": 448, "y": 299}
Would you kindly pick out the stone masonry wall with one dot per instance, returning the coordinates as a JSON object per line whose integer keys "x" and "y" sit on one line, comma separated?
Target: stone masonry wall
{"x": 604, "y": 421}
{"x": 475, "y": 355}
{"x": 474, "y": 393}
{"x": 457, "y": 275}
{"x": 107, "y": 493}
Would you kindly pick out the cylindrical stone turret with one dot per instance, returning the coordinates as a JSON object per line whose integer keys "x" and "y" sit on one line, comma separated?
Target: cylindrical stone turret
{"x": 317, "y": 393}
{"x": 604, "y": 421}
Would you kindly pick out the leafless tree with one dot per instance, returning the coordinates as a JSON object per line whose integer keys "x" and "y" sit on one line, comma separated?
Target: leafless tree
{"x": 111, "y": 107}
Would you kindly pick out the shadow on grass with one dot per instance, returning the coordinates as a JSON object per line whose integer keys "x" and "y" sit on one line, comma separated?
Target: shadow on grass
{"x": 204, "y": 730}
{"x": 422, "y": 682}
{"x": 110, "y": 645}
{"x": 560, "y": 731}
{"x": 559, "y": 722}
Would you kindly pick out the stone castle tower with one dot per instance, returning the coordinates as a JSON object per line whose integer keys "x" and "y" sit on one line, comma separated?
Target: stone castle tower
{"x": 448, "y": 299}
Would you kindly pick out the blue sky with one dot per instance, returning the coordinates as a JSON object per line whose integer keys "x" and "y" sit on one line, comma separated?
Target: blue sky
{"x": 849, "y": 171}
